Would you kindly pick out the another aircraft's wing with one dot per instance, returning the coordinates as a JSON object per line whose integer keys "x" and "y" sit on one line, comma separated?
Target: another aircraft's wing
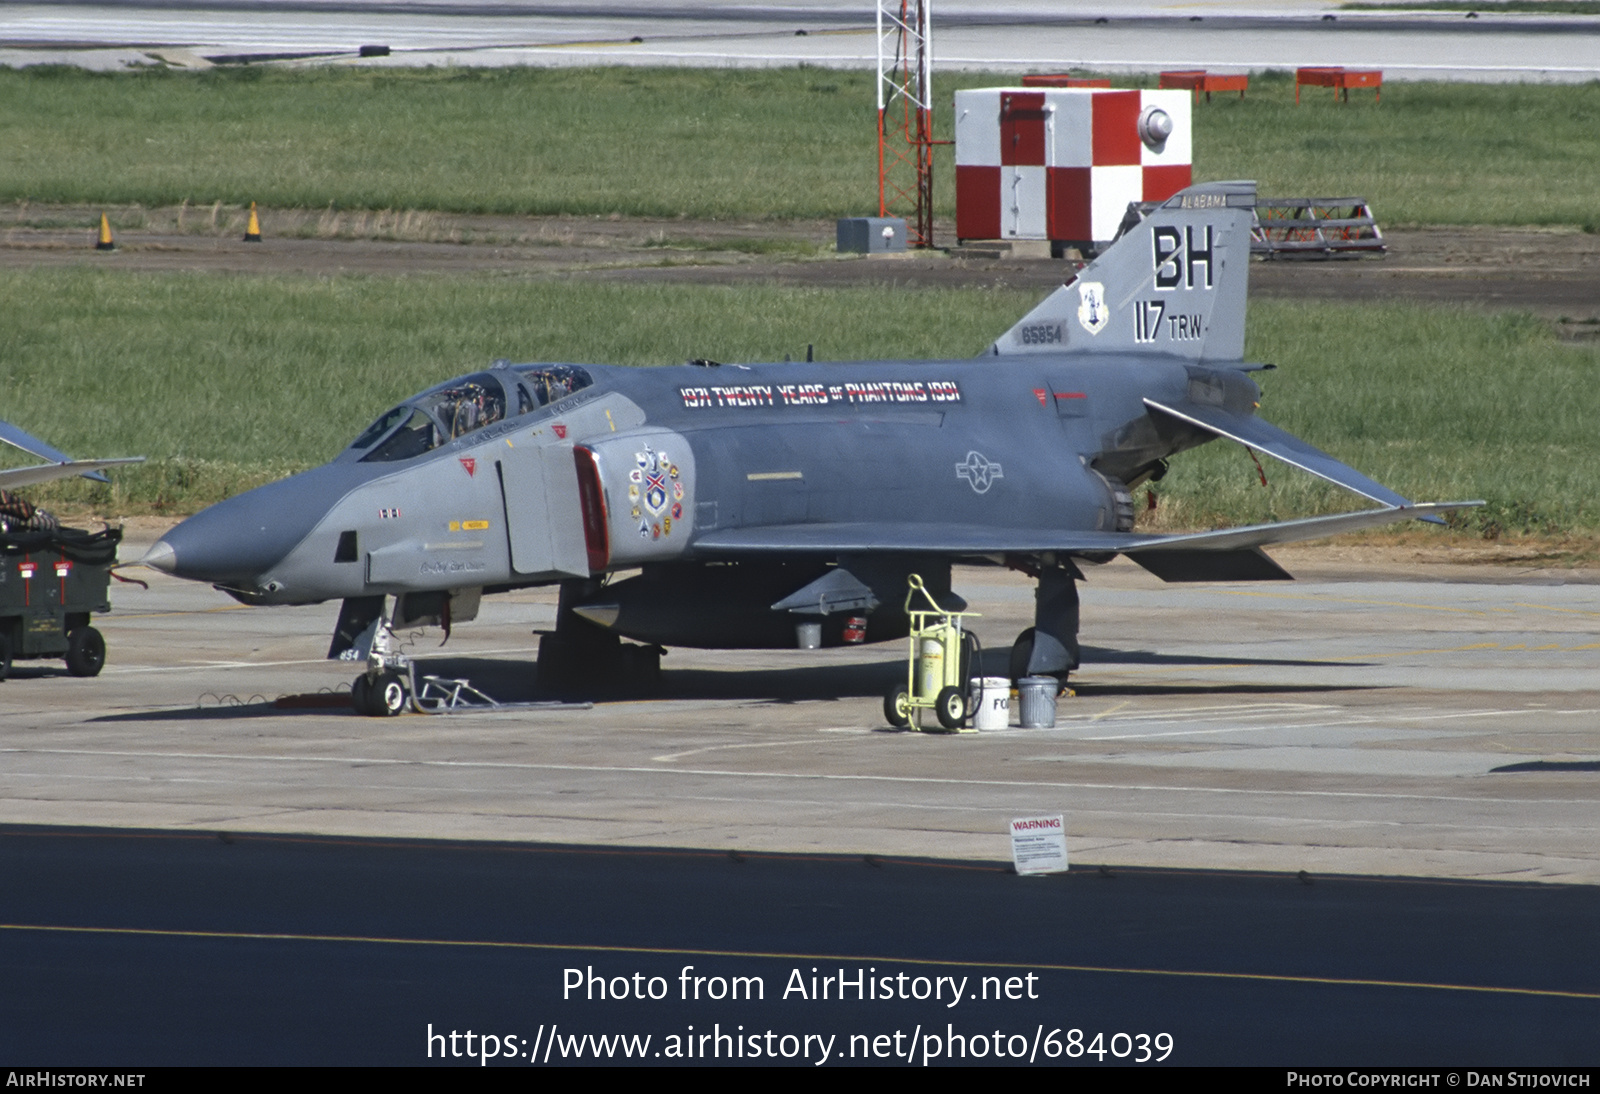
{"x": 61, "y": 465}
{"x": 947, "y": 539}
{"x": 30, "y": 444}
{"x": 14, "y": 477}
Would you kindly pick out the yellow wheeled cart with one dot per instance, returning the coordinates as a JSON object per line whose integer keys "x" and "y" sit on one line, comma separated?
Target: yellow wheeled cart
{"x": 940, "y": 652}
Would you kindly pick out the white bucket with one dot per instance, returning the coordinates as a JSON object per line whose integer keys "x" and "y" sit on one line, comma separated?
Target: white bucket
{"x": 992, "y": 702}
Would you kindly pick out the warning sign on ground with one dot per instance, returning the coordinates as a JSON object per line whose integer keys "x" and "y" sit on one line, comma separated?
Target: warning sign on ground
{"x": 1039, "y": 845}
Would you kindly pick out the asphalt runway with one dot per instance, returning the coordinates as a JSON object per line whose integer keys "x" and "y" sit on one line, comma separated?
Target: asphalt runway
{"x": 1310, "y": 824}
{"x": 128, "y": 950}
{"x": 1242, "y": 35}
{"x": 1366, "y": 719}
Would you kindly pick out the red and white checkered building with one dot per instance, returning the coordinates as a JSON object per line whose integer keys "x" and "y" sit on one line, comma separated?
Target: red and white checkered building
{"x": 1063, "y": 163}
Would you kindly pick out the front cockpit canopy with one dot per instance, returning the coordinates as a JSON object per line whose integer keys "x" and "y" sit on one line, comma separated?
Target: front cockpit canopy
{"x": 465, "y": 405}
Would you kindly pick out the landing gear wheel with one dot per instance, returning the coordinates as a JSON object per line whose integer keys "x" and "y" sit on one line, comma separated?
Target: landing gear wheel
{"x": 361, "y": 695}
{"x": 650, "y": 668}
{"x": 552, "y": 671}
{"x": 641, "y": 669}
{"x": 388, "y": 695}
{"x": 86, "y": 652}
{"x": 897, "y": 707}
{"x": 951, "y": 707}
{"x": 1021, "y": 654}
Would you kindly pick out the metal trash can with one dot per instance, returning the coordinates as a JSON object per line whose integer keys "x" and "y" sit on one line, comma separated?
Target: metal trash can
{"x": 991, "y": 698}
{"x": 1036, "y": 701}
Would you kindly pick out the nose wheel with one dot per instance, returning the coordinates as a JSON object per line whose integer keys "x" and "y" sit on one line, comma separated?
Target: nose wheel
{"x": 384, "y": 690}
{"x": 382, "y": 696}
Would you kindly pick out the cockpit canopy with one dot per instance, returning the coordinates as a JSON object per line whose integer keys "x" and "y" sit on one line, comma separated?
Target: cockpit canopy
{"x": 465, "y": 405}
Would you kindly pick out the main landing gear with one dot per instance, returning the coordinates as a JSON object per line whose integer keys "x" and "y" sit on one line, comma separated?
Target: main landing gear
{"x": 582, "y": 658}
{"x": 1050, "y": 646}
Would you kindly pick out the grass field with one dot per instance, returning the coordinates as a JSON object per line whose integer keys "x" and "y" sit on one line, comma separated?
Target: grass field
{"x": 226, "y": 382}
{"x": 724, "y": 144}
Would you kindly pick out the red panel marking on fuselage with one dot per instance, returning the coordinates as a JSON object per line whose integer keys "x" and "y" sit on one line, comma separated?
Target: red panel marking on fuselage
{"x": 596, "y": 534}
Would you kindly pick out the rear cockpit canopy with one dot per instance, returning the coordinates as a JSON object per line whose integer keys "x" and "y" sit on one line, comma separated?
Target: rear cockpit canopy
{"x": 549, "y": 383}
{"x": 462, "y": 406}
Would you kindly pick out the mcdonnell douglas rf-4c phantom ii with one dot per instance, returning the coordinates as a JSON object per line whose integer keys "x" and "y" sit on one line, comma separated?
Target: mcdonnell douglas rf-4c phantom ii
{"x": 750, "y": 498}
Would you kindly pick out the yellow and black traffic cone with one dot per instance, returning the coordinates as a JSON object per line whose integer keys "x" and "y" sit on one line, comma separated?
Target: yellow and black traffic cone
{"x": 105, "y": 243}
{"x": 252, "y": 231}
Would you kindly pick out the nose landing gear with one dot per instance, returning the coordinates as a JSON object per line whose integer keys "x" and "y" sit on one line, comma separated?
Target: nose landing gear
{"x": 380, "y": 696}
{"x": 382, "y": 691}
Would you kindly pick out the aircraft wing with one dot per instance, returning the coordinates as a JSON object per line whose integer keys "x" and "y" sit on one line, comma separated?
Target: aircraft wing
{"x": 30, "y": 444}
{"x": 948, "y": 539}
{"x": 61, "y": 465}
{"x": 1255, "y": 433}
{"x": 14, "y": 477}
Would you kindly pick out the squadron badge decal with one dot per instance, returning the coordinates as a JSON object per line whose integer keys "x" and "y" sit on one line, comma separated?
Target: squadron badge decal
{"x": 1092, "y": 314}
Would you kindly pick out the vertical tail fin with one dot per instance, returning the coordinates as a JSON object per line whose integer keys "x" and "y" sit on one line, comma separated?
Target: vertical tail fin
{"x": 1174, "y": 283}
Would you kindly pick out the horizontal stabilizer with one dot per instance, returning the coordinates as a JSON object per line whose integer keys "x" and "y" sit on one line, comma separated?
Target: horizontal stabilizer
{"x": 14, "y": 477}
{"x": 1198, "y": 564}
{"x": 972, "y": 539}
{"x": 1255, "y": 433}
{"x": 1295, "y": 531}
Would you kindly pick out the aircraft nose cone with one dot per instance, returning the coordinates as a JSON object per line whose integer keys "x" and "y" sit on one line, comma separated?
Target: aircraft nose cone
{"x": 228, "y": 544}
{"x": 161, "y": 557}
{"x": 237, "y": 541}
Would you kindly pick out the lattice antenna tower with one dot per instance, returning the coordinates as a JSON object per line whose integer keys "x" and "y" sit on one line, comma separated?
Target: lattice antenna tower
{"x": 905, "y": 115}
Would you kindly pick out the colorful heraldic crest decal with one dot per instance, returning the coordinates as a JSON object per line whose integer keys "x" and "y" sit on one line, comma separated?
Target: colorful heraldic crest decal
{"x": 1092, "y": 314}
{"x": 656, "y": 479}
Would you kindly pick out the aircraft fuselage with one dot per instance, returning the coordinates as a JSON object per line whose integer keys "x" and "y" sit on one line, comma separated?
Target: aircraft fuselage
{"x": 636, "y": 468}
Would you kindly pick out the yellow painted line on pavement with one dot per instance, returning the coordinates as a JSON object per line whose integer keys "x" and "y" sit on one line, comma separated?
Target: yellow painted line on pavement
{"x": 761, "y": 955}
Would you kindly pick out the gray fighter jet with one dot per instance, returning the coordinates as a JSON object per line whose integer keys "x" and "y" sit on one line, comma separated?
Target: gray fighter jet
{"x": 746, "y": 500}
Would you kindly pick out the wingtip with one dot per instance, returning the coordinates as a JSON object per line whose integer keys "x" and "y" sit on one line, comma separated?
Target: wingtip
{"x": 1434, "y": 507}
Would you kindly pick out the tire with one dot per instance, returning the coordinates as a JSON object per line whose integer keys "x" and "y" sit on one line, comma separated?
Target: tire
{"x": 5, "y": 654}
{"x": 388, "y": 695}
{"x": 86, "y": 652}
{"x": 645, "y": 676}
{"x": 552, "y": 670}
{"x": 951, "y": 707}
{"x": 897, "y": 707}
{"x": 361, "y": 695}
{"x": 1021, "y": 652}
{"x": 639, "y": 669}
